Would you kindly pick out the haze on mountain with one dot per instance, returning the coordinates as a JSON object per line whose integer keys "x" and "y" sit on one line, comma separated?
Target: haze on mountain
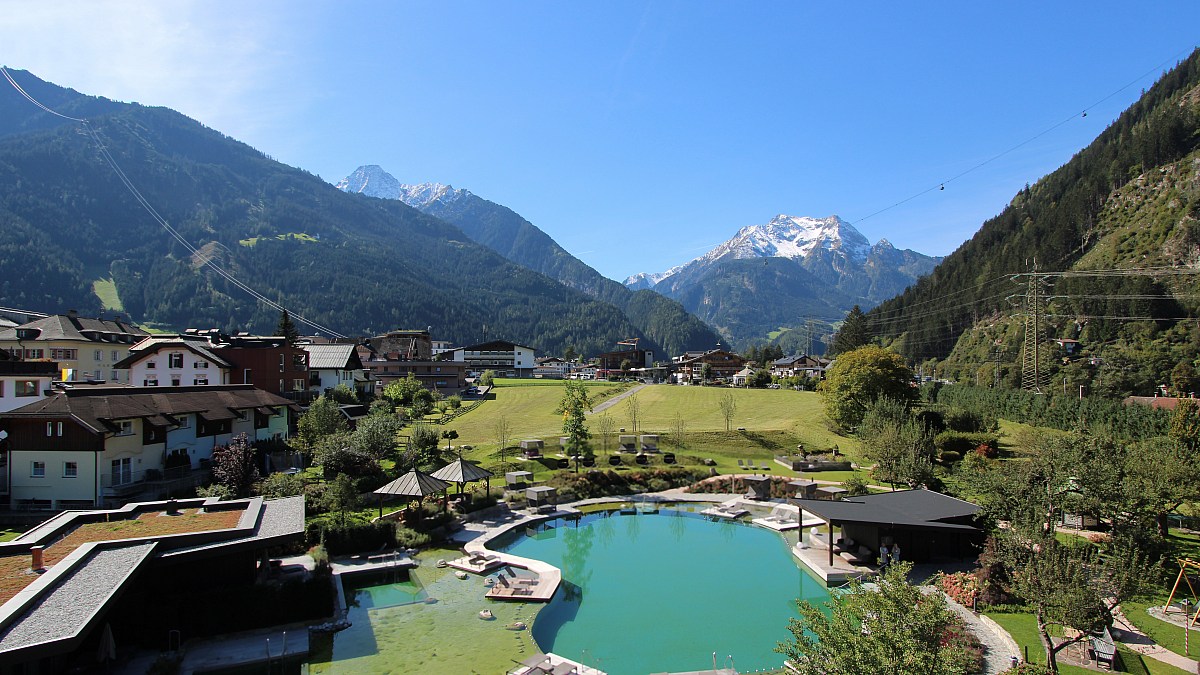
{"x": 670, "y": 328}
{"x": 769, "y": 279}
{"x": 359, "y": 266}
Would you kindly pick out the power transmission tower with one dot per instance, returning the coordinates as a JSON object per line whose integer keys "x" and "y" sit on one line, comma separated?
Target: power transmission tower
{"x": 1033, "y": 374}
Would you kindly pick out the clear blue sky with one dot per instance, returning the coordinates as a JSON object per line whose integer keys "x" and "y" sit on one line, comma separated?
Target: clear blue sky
{"x": 671, "y": 124}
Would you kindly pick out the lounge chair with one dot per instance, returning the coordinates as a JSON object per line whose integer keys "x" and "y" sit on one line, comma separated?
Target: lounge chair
{"x": 766, "y": 467}
{"x": 740, "y": 465}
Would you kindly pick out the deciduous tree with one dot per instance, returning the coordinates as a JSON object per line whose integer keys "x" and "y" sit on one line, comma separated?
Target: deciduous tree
{"x": 573, "y": 407}
{"x": 857, "y": 378}
{"x": 321, "y": 419}
{"x": 727, "y": 404}
{"x": 893, "y": 628}
{"x": 234, "y": 466}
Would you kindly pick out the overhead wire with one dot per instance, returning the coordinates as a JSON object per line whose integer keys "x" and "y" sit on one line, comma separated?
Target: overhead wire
{"x": 941, "y": 185}
{"x": 205, "y": 260}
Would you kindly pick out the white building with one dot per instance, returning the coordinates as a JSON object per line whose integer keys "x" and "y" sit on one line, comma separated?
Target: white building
{"x": 508, "y": 359}
{"x": 331, "y": 365}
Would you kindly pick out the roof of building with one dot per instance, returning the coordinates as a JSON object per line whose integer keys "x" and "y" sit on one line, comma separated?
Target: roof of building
{"x": 57, "y": 609}
{"x": 155, "y": 343}
{"x": 495, "y": 345}
{"x": 67, "y": 327}
{"x": 97, "y": 407}
{"x": 337, "y": 357}
{"x": 909, "y": 508}
{"x": 1160, "y": 402}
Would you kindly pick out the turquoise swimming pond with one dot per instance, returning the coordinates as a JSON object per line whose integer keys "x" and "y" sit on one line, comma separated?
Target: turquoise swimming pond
{"x": 661, "y": 593}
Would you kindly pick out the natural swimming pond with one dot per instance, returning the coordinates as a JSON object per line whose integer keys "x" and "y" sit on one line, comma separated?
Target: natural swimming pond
{"x": 662, "y": 593}
{"x": 641, "y": 594}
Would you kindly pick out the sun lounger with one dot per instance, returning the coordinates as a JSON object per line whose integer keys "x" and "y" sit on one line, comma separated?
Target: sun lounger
{"x": 740, "y": 465}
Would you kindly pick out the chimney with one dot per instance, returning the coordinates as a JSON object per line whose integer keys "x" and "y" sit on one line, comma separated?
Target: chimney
{"x": 37, "y": 565}
{"x": 72, "y": 314}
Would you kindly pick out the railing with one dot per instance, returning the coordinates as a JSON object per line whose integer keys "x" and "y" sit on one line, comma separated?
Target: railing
{"x": 125, "y": 483}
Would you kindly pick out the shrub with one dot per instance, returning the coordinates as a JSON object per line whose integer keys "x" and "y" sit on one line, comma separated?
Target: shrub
{"x": 855, "y": 486}
{"x": 353, "y": 537}
{"x": 279, "y": 485}
{"x": 949, "y": 456}
{"x": 988, "y": 450}
{"x": 962, "y": 443}
{"x": 409, "y": 538}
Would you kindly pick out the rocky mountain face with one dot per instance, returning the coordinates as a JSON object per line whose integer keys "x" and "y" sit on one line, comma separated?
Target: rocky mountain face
{"x": 665, "y": 322}
{"x": 770, "y": 277}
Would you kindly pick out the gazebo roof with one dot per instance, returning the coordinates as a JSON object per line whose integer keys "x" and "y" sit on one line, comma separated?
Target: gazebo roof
{"x": 413, "y": 484}
{"x": 462, "y": 471}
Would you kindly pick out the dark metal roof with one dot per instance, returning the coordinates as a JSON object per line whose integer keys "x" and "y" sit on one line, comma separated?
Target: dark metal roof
{"x": 462, "y": 471}
{"x": 911, "y": 508}
{"x": 96, "y": 407}
{"x": 413, "y": 484}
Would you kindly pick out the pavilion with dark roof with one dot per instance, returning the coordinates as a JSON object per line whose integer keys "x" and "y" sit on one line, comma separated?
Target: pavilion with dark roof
{"x": 926, "y": 524}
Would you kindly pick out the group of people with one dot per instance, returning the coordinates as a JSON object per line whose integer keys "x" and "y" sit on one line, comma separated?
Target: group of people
{"x": 889, "y": 555}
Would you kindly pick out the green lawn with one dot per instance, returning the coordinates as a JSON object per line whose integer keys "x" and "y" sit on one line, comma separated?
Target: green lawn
{"x": 1023, "y": 628}
{"x": 106, "y": 290}
{"x": 774, "y": 422}
{"x": 9, "y": 535}
{"x": 1166, "y": 634}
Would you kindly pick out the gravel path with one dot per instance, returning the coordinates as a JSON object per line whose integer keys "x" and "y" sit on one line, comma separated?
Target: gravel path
{"x": 616, "y": 399}
{"x": 1001, "y": 648}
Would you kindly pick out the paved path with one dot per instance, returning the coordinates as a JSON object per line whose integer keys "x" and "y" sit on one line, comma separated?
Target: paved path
{"x": 1001, "y": 648}
{"x": 617, "y": 399}
{"x": 1136, "y": 640}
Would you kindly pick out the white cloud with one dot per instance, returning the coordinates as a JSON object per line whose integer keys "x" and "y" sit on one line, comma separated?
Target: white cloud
{"x": 218, "y": 62}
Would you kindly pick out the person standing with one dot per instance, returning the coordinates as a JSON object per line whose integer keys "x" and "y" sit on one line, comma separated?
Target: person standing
{"x": 896, "y": 552}
{"x": 883, "y": 556}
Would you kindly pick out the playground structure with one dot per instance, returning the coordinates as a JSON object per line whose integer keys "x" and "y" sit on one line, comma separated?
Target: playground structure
{"x": 1184, "y": 565}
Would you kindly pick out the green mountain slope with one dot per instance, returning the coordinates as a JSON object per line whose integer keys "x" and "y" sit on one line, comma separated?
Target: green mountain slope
{"x": 1067, "y": 220}
{"x": 670, "y": 329}
{"x": 355, "y": 264}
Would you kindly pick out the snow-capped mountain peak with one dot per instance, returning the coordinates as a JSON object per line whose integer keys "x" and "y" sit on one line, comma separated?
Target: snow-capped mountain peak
{"x": 793, "y": 237}
{"x": 372, "y": 181}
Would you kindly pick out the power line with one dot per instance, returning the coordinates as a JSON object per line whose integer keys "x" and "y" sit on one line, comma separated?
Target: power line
{"x": 941, "y": 185}
{"x": 149, "y": 208}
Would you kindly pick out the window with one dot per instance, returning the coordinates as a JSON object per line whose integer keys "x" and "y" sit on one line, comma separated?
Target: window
{"x": 246, "y": 376}
{"x": 200, "y": 380}
{"x": 64, "y": 354}
{"x": 297, "y": 385}
{"x": 174, "y": 380}
{"x": 116, "y": 356}
{"x": 1, "y": 388}
{"x": 174, "y": 360}
{"x": 125, "y": 428}
{"x": 200, "y": 365}
{"x": 35, "y": 354}
{"x": 185, "y": 421}
{"x": 150, "y": 365}
{"x": 281, "y": 357}
{"x": 37, "y": 469}
{"x": 149, "y": 383}
{"x": 298, "y": 362}
{"x": 122, "y": 471}
{"x": 281, "y": 387}
{"x": 70, "y": 469}
{"x": 51, "y": 427}
{"x": 98, "y": 355}
{"x": 26, "y": 388}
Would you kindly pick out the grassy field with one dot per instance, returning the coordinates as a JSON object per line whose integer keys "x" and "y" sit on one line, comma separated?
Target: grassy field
{"x": 1023, "y": 628}
{"x": 772, "y": 422}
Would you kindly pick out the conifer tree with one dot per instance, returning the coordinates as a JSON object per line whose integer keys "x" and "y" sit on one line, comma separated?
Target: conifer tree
{"x": 853, "y": 333}
{"x": 287, "y": 329}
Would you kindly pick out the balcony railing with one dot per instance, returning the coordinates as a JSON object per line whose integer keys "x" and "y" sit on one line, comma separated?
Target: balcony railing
{"x": 124, "y": 483}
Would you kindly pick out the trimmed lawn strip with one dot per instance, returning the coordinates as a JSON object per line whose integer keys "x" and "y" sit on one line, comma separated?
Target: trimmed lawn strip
{"x": 1166, "y": 634}
{"x": 1023, "y": 628}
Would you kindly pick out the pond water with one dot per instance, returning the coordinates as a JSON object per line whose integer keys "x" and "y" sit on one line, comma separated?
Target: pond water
{"x": 654, "y": 593}
{"x": 641, "y": 593}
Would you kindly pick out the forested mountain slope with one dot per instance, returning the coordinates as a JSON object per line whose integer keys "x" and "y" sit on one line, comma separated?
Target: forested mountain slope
{"x": 670, "y": 328}
{"x": 356, "y": 265}
{"x": 1086, "y": 214}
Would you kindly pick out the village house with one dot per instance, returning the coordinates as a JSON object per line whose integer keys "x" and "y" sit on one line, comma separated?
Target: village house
{"x": 94, "y": 445}
{"x": 331, "y": 365}
{"x": 23, "y": 382}
{"x": 84, "y": 349}
{"x": 552, "y": 367}
{"x": 198, "y": 358}
{"x": 507, "y": 359}
{"x": 401, "y": 353}
{"x": 723, "y": 365}
{"x": 812, "y": 367}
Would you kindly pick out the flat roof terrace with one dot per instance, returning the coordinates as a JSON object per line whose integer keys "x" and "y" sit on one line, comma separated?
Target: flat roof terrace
{"x": 16, "y": 572}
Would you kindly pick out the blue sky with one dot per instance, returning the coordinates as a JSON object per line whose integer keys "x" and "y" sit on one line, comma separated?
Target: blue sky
{"x": 666, "y": 125}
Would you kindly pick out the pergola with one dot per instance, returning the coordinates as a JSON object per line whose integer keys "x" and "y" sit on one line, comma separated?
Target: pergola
{"x": 462, "y": 471}
{"x": 412, "y": 484}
